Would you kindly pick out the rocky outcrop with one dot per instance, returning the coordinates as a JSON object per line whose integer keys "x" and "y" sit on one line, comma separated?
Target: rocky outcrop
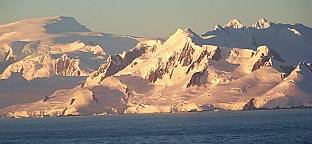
{"x": 250, "y": 105}
{"x": 163, "y": 68}
{"x": 184, "y": 74}
{"x": 156, "y": 74}
{"x": 261, "y": 24}
{"x": 8, "y": 59}
{"x": 194, "y": 58}
{"x": 112, "y": 65}
{"x": 141, "y": 49}
{"x": 65, "y": 66}
{"x": 234, "y": 23}
{"x": 117, "y": 62}
{"x": 185, "y": 57}
{"x": 43, "y": 66}
{"x": 263, "y": 61}
{"x": 198, "y": 79}
{"x": 264, "y": 57}
{"x": 217, "y": 54}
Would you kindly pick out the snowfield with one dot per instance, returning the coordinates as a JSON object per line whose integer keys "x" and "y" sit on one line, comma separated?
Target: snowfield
{"x": 232, "y": 67}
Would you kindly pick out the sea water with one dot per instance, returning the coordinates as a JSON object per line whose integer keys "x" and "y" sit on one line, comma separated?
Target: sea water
{"x": 263, "y": 126}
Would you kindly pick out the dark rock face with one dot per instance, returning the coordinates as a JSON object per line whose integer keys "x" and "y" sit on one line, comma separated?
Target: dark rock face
{"x": 168, "y": 68}
{"x": 94, "y": 98}
{"x": 144, "y": 48}
{"x": 112, "y": 65}
{"x": 138, "y": 51}
{"x": 217, "y": 55}
{"x": 156, "y": 74}
{"x": 261, "y": 62}
{"x": 115, "y": 63}
{"x": 72, "y": 101}
{"x": 250, "y": 105}
{"x": 63, "y": 112}
{"x": 186, "y": 55}
{"x": 9, "y": 59}
{"x": 198, "y": 79}
{"x": 170, "y": 65}
{"x": 67, "y": 67}
{"x": 184, "y": 58}
{"x": 200, "y": 58}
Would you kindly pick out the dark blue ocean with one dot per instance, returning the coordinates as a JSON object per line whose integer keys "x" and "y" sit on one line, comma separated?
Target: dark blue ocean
{"x": 264, "y": 126}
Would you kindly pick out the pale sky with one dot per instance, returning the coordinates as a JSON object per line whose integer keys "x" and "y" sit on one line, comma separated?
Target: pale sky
{"x": 158, "y": 18}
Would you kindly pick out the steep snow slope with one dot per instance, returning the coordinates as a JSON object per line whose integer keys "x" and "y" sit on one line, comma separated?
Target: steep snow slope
{"x": 294, "y": 90}
{"x": 233, "y": 67}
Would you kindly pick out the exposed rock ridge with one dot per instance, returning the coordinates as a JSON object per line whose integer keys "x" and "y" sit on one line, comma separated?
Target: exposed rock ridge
{"x": 67, "y": 67}
{"x": 189, "y": 56}
{"x": 265, "y": 56}
{"x": 261, "y": 24}
{"x": 198, "y": 79}
{"x": 117, "y": 62}
{"x": 234, "y": 23}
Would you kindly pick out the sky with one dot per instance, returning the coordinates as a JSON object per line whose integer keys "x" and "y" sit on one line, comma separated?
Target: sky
{"x": 158, "y": 18}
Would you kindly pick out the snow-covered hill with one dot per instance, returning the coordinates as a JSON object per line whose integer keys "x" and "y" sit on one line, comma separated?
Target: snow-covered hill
{"x": 232, "y": 67}
{"x": 51, "y": 53}
{"x": 33, "y": 47}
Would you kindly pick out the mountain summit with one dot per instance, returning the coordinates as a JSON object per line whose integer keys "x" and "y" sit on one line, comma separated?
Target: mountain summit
{"x": 234, "y": 23}
{"x": 62, "y": 24}
{"x": 185, "y": 33}
{"x": 261, "y": 24}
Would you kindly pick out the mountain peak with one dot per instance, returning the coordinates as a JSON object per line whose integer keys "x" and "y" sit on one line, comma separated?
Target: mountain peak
{"x": 185, "y": 31}
{"x": 301, "y": 70}
{"x": 61, "y": 24}
{"x": 182, "y": 33}
{"x": 217, "y": 27}
{"x": 262, "y": 20}
{"x": 302, "y": 66}
{"x": 234, "y": 23}
{"x": 261, "y": 24}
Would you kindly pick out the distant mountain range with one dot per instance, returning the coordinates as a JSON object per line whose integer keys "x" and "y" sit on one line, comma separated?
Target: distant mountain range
{"x": 54, "y": 66}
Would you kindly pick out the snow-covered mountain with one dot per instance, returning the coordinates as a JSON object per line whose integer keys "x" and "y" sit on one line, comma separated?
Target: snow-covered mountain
{"x": 51, "y": 53}
{"x": 231, "y": 67}
{"x": 33, "y": 47}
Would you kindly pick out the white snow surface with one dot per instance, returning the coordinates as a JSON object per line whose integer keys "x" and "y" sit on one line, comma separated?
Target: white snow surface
{"x": 32, "y": 46}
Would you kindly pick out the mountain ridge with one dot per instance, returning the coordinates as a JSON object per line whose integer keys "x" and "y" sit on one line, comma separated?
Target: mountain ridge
{"x": 233, "y": 67}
